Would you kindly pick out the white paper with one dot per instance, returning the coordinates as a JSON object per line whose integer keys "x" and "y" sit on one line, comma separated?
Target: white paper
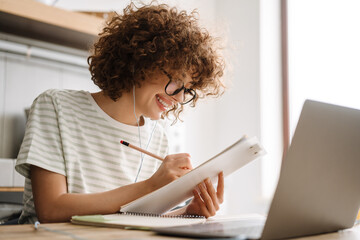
{"x": 164, "y": 199}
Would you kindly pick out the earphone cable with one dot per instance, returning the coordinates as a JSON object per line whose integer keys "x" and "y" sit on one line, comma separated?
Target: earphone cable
{"x": 139, "y": 132}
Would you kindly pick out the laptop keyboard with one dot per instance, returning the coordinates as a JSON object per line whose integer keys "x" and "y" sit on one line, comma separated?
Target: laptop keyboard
{"x": 220, "y": 229}
{"x": 228, "y": 228}
{"x": 248, "y": 231}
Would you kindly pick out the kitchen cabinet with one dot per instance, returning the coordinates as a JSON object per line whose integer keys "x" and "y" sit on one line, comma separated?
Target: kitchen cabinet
{"x": 32, "y": 19}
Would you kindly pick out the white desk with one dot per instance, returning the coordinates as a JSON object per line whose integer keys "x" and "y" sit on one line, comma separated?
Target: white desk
{"x": 87, "y": 232}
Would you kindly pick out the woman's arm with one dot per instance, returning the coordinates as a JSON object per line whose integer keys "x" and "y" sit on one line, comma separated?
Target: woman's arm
{"x": 54, "y": 204}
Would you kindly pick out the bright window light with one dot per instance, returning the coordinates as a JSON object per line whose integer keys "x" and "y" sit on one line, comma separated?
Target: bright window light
{"x": 324, "y": 53}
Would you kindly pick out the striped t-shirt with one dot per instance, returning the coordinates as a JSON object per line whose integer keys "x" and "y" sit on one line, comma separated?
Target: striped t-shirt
{"x": 68, "y": 133}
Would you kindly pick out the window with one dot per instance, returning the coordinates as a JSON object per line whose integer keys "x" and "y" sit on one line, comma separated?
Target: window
{"x": 324, "y": 53}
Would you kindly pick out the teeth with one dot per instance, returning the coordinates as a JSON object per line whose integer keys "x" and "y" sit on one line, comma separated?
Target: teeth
{"x": 162, "y": 102}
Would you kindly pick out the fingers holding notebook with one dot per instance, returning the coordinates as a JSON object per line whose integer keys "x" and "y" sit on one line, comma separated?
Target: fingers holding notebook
{"x": 173, "y": 167}
{"x": 220, "y": 188}
{"x": 206, "y": 200}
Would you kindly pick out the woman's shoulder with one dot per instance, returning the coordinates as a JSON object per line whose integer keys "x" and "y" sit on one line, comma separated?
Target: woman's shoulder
{"x": 64, "y": 92}
{"x": 58, "y": 95}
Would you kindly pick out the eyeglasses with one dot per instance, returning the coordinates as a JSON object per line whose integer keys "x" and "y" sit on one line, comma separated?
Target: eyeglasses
{"x": 175, "y": 86}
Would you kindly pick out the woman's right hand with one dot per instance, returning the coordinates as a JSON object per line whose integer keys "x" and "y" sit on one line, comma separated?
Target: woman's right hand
{"x": 173, "y": 167}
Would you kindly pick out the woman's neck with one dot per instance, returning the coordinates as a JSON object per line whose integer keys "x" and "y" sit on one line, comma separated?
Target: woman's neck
{"x": 122, "y": 110}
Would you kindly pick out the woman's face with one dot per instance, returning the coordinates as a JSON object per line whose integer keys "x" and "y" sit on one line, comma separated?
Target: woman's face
{"x": 151, "y": 99}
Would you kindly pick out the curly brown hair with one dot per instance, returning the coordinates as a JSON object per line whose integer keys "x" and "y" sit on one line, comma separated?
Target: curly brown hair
{"x": 145, "y": 39}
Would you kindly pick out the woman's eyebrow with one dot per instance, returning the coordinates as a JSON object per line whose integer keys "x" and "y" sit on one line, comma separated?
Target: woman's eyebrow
{"x": 190, "y": 84}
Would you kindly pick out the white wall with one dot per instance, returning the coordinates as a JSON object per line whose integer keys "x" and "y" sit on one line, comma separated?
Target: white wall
{"x": 271, "y": 95}
{"x": 214, "y": 125}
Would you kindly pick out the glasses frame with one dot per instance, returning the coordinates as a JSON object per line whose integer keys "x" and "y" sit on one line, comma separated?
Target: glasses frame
{"x": 186, "y": 90}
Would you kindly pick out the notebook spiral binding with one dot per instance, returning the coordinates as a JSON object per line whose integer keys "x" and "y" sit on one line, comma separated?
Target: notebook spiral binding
{"x": 160, "y": 215}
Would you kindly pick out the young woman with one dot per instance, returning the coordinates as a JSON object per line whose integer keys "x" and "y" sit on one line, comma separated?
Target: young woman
{"x": 148, "y": 62}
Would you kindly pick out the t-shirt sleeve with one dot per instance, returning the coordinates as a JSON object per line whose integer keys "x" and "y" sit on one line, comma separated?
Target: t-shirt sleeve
{"x": 41, "y": 145}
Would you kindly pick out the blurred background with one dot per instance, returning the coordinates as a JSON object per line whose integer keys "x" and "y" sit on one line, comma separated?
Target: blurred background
{"x": 278, "y": 53}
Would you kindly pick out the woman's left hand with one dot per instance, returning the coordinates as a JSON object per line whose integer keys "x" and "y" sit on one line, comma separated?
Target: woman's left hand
{"x": 206, "y": 201}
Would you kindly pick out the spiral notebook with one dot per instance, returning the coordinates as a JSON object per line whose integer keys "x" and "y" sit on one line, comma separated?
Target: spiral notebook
{"x": 136, "y": 220}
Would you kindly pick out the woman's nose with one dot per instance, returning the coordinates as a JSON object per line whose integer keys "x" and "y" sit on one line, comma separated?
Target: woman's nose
{"x": 179, "y": 97}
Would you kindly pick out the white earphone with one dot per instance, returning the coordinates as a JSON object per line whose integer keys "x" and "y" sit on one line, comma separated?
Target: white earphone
{"x": 139, "y": 133}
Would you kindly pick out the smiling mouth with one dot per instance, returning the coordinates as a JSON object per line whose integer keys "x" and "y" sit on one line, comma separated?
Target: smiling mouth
{"x": 163, "y": 103}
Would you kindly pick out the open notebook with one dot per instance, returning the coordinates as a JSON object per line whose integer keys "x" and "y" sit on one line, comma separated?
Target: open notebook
{"x": 136, "y": 221}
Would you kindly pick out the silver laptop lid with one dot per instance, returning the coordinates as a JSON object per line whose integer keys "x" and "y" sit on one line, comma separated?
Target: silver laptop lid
{"x": 319, "y": 184}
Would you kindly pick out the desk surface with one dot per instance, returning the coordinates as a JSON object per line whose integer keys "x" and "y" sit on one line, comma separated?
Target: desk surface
{"x": 70, "y": 231}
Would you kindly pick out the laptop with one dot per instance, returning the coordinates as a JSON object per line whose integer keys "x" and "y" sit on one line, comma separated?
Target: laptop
{"x": 319, "y": 184}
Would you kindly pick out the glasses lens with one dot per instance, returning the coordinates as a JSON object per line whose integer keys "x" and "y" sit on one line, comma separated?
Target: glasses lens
{"x": 174, "y": 87}
{"x": 189, "y": 96}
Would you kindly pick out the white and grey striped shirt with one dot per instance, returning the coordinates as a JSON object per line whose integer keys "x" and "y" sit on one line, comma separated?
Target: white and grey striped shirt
{"x": 68, "y": 133}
